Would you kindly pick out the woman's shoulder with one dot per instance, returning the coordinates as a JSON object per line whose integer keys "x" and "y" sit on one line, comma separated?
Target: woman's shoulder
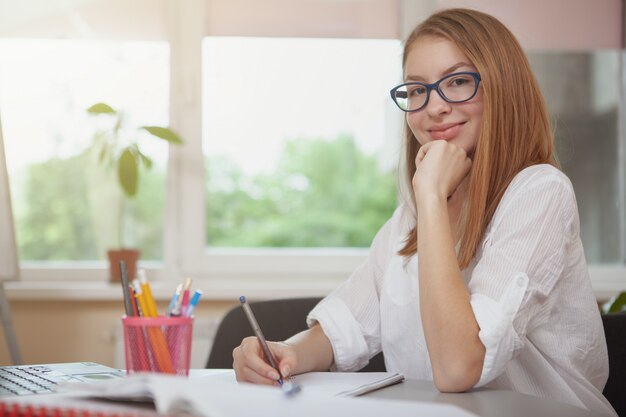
{"x": 543, "y": 177}
{"x": 538, "y": 189}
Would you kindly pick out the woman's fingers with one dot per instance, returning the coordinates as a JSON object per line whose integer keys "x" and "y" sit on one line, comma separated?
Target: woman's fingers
{"x": 440, "y": 167}
{"x": 250, "y": 364}
{"x": 250, "y": 375}
{"x": 286, "y": 357}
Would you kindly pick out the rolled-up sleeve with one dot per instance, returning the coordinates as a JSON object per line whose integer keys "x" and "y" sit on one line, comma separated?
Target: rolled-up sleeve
{"x": 521, "y": 259}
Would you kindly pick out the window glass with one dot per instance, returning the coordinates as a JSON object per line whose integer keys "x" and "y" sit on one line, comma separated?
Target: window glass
{"x": 582, "y": 91}
{"x": 67, "y": 207}
{"x": 300, "y": 140}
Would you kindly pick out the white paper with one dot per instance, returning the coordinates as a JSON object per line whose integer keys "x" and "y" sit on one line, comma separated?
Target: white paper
{"x": 206, "y": 398}
{"x": 343, "y": 384}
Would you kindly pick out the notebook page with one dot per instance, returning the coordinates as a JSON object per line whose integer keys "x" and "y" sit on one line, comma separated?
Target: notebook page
{"x": 206, "y": 398}
{"x": 344, "y": 384}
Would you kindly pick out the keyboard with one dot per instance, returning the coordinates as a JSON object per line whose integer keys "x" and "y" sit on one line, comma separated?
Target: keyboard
{"x": 22, "y": 380}
{"x": 43, "y": 378}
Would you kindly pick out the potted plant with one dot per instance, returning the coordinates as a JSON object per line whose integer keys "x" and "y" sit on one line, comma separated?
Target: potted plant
{"x": 122, "y": 153}
{"x": 616, "y": 304}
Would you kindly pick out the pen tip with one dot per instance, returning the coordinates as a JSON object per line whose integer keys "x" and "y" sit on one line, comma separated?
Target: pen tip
{"x": 290, "y": 388}
{"x": 242, "y": 299}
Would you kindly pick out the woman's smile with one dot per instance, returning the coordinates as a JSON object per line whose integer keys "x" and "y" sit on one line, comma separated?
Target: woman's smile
{"x": 446, "y": 131}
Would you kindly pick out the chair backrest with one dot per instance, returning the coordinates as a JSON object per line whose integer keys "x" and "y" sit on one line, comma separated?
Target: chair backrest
{"x": 279, "y": 319}
{"x": 615, "y": 332}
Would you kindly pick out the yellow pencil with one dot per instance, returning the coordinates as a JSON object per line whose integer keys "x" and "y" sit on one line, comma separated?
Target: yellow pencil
{"x": 157, "y": 339}
{"x": 147, "y": 293}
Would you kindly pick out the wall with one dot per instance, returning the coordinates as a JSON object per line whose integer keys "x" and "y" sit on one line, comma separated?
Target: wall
{"x": 69, "y": 331}
{"x": 555, "y": 24}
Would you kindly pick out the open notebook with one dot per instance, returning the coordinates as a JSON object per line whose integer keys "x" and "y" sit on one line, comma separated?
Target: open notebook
{"x": 211, "y": 397}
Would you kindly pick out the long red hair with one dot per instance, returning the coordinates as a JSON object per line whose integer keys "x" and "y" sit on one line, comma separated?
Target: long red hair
{"x": 515, "y": 132}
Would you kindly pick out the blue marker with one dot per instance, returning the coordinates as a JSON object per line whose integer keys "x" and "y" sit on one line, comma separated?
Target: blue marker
{"x": 193, "y": 303}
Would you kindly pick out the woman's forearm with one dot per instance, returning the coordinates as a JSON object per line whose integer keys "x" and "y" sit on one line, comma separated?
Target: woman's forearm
{"x": 450, "y": 327}
{"x": 313, "y": 350}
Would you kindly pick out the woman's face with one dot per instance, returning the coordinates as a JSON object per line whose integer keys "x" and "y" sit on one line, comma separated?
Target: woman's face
{"x": 429, "y": 59}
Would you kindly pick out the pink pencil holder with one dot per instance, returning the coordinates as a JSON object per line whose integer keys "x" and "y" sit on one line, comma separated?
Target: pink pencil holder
{"x": 157, "y": 344}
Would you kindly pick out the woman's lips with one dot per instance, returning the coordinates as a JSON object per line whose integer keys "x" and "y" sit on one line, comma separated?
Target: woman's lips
{"x": 445, "y": 132}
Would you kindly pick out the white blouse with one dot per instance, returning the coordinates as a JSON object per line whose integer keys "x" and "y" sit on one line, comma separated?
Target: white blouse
{"x": 530, "y": 292}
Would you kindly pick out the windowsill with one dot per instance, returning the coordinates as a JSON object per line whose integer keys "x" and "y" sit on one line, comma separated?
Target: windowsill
{"x": 607, "y": 281}
{"x": 223, "y": 290}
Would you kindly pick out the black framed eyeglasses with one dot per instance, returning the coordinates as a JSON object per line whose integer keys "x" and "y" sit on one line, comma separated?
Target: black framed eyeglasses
{"x": 453, "y": 88}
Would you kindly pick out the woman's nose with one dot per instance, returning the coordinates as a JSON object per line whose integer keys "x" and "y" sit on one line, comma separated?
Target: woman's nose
{"x": 437, "y": 105}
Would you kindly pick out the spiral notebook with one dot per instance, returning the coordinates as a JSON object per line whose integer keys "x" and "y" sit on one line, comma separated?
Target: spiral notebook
{"x": 71, "y": 405}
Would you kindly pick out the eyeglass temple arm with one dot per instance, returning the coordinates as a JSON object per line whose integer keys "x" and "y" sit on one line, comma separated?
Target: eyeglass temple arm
{"x": 400, "y": 94}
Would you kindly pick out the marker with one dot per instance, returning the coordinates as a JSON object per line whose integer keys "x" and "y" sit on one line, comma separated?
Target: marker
{"x": 179, "y": 305}
{"x": 185, "y": 302}
{"x": 170, "y": 308}
{"x": 193, "y": 303}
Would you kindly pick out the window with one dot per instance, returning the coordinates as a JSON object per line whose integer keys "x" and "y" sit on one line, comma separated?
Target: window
{"x": 64, "y": 204}
{"x": 585, "y": 106}
{"x": 300, "y": 140}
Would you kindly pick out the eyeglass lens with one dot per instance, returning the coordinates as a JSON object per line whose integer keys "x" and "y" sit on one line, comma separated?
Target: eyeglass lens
{"x": 454, "y": 88}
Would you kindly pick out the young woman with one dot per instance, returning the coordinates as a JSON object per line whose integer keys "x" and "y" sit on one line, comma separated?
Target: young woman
{"x": 479, "y": 278}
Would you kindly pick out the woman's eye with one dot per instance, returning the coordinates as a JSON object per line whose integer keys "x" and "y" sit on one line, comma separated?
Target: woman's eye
{"x": 458, "y": 82}
{"x": 416, "y": 91}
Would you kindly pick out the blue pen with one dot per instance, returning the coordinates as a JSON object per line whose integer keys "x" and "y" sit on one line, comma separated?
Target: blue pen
{"x": 179, "y": 289}
{"x": 193, "y": 303}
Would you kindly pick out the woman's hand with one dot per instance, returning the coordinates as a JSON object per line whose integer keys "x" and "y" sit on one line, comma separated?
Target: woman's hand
{"x": 250, "y": 364}
{"x": 440, "y": 168}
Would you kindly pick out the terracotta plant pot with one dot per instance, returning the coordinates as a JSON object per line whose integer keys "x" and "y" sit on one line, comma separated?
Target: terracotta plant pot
{"x": 130, "y": 256}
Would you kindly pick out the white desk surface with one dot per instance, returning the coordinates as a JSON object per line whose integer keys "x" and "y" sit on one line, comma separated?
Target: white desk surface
{"x": 481, "y": 401}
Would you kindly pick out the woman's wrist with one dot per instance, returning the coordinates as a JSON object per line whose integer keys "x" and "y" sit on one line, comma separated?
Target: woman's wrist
{"x": 433, "y": 200}
{"x": 312, "y": 349}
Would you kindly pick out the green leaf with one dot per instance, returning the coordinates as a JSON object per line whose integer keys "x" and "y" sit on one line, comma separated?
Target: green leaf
{"x": 163, "y": 133}
{"x": 617, "y": 304}
{"x": 101, "y": 108}
{"x": 128, "y": 173}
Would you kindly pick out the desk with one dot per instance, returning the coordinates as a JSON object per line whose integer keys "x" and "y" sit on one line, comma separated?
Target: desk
{"x": 481, "y": 401}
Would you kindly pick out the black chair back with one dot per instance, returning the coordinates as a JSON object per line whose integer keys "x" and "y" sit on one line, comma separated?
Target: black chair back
{"x": 615, "y": 332}
{"x": 279, "y": 319}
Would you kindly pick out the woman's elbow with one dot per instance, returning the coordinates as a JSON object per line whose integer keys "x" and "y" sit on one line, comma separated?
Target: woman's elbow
{"x": 457, "y": 378}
